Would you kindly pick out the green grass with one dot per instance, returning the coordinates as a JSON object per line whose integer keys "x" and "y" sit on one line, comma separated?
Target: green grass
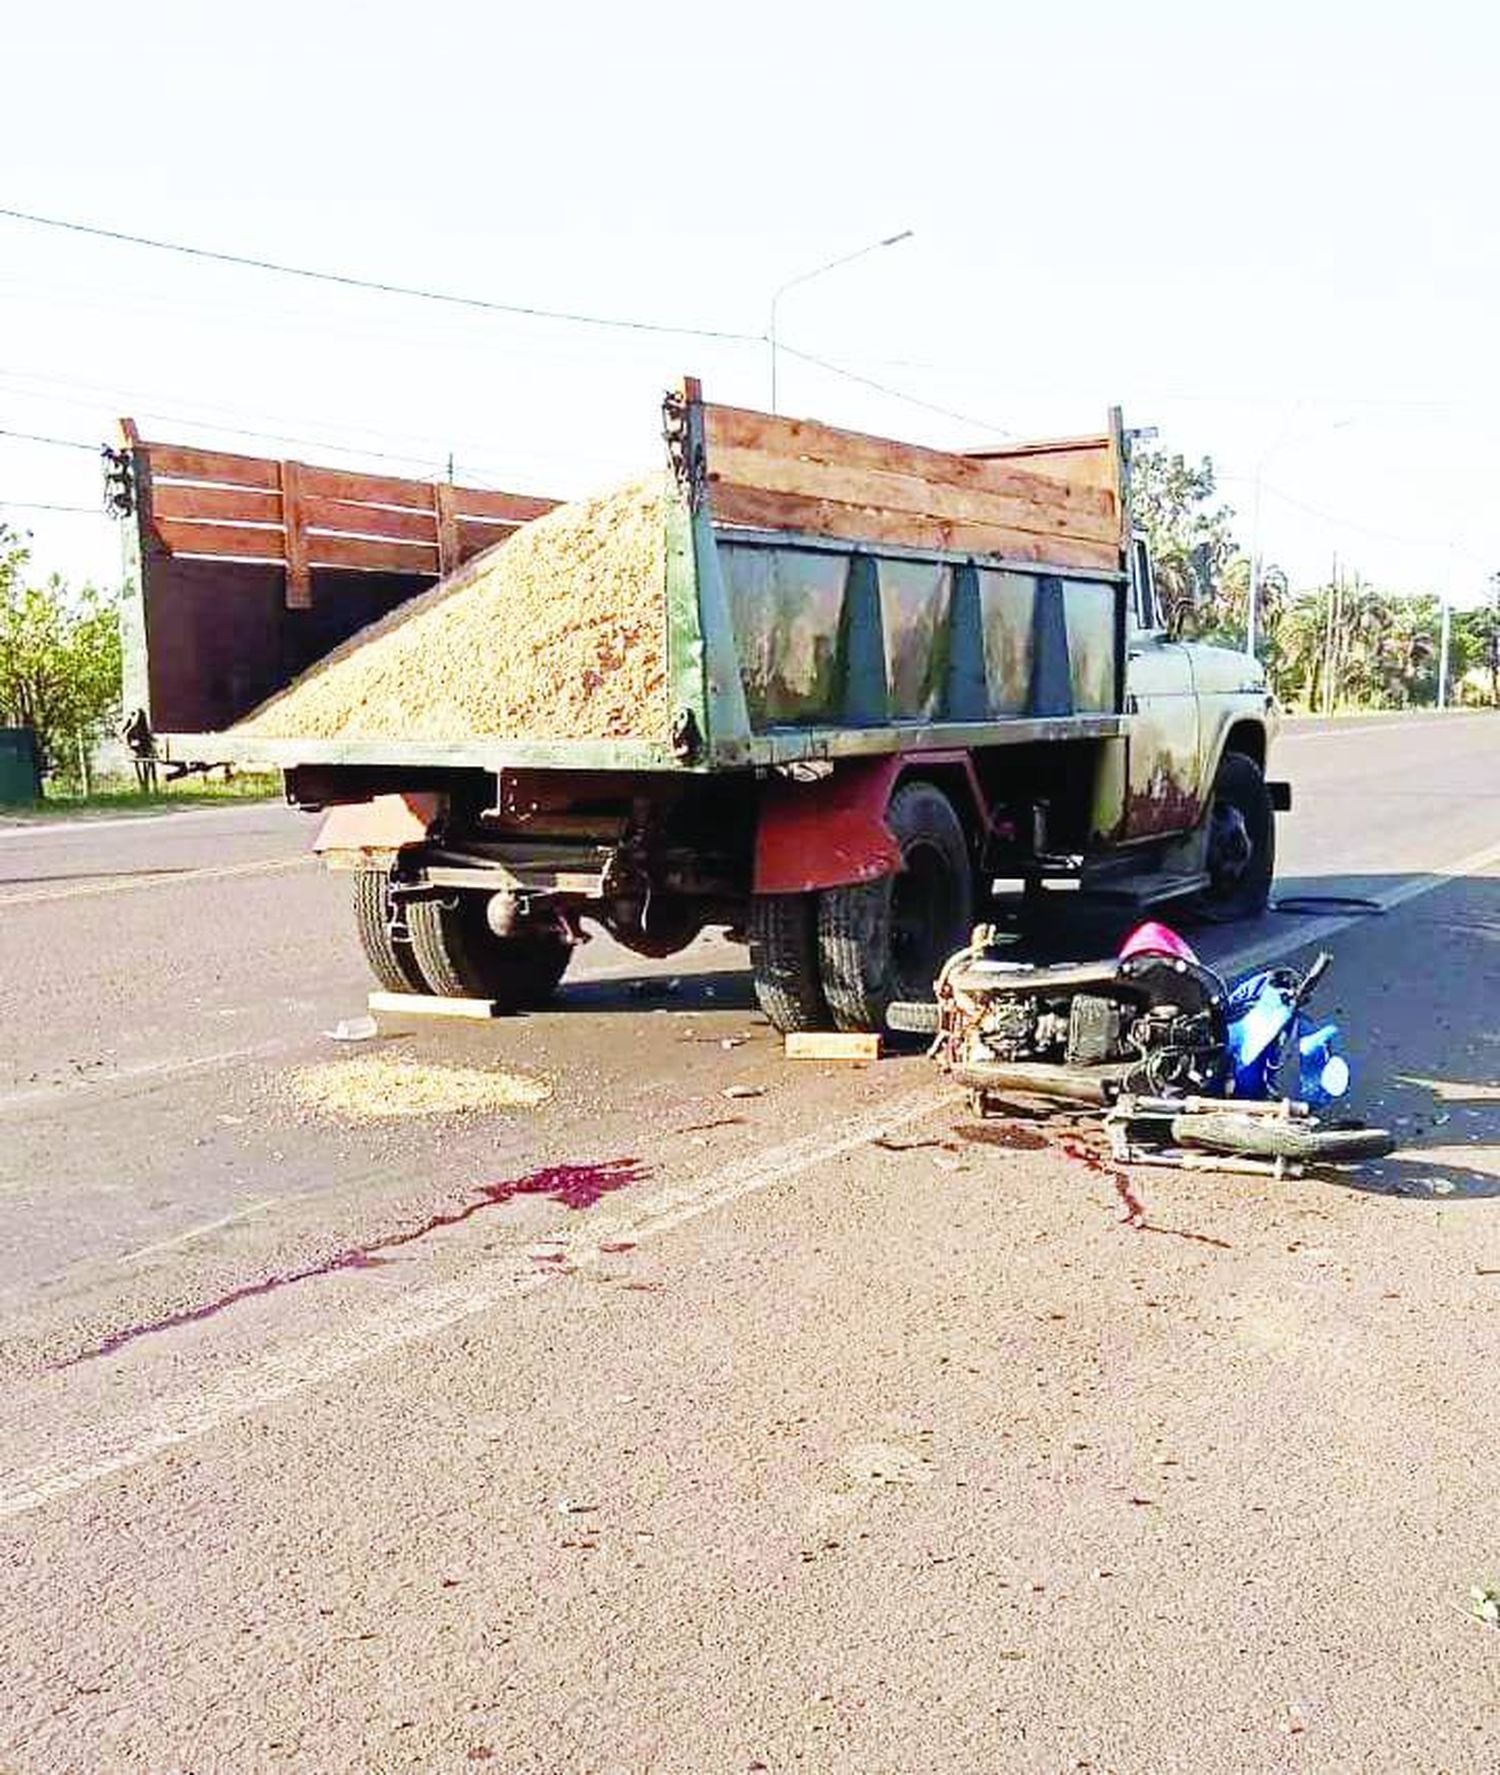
{"x": 126, "y": 797}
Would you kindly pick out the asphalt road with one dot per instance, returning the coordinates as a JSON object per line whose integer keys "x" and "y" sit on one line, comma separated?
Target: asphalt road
{"x": 651, "y": 1428}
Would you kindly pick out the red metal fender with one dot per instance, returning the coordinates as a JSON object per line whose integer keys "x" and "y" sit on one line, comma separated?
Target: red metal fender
{"x": 832, "y": 832}
{"x": 384, "y": 823}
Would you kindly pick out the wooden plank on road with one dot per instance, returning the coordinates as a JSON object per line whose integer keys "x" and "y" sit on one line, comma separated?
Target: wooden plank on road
{"x": 421, "y": 1004}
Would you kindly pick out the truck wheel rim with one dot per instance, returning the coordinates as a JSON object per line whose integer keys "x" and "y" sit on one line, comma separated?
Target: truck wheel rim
{"x": 1229, "y": 845}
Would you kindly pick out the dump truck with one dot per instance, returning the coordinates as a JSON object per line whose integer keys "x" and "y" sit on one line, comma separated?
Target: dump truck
{"x": 895, "y": 677}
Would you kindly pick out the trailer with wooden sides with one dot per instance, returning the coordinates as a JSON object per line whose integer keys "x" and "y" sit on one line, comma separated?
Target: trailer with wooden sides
{"x": 894, "y": 675}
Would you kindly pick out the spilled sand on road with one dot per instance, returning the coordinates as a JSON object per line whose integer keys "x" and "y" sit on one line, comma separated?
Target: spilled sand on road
{"x": 376, "y": 1088}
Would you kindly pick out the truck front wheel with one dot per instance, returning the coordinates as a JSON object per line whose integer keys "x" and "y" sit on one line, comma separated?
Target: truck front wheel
{"x": 1241, "y": 855}
{"x": 462, "y": 957}
{"x": 885, "y": 940}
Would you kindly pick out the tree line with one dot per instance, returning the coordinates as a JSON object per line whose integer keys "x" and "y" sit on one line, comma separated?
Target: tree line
{"x": 1345, "y": 644}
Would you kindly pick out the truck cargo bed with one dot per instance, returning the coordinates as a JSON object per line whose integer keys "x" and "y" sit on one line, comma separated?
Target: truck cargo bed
{"x": 826, "y": 595}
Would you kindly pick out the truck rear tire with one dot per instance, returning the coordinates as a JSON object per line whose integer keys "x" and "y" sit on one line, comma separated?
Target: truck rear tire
{"x": 392, "y": 960}
{"x": 462, "y": 957}
{"x": 1241, "y": 843}
{"x": 887, "y": 939}
{"x": 783, "y": 934}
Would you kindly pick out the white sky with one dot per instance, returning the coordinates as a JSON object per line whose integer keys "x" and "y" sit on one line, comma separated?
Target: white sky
{"x": 1271, "y": 233}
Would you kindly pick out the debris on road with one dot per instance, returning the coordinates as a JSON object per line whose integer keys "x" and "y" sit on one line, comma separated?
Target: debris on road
{"x": 1484, "y": 1600}
{"x": 744, "y": 1090}
{"x": 830, "y": 1044}
{"x": 1188, "y": 1071}
{"x": 431, "y": 1004}
{"x": 353, "y": 1029}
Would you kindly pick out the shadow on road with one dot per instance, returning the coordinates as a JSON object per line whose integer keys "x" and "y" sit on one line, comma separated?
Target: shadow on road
{"x": 719, "y": 989}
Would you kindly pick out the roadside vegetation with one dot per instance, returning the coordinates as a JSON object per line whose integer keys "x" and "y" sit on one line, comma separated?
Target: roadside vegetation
{"x": 60, "y": 661}
{"x": 1335, "y": 646}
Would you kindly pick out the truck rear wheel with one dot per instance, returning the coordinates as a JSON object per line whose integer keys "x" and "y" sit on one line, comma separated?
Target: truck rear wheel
{"x": 462, "y": 957}
{"x": 885, "y": 940}
{"x": 784, "y": 960}
{"x": 392, "y": 960}
{"x": 1241, "y": 843}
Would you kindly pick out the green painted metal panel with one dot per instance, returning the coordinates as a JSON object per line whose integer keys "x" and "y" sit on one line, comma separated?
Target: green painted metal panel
{"x": 784, "y": 611}
{"x": 1090, "y": 611}
{"x": 1007, "y": 607}
{"x": 915, "y": 609}
{"x": 864, "y": 699}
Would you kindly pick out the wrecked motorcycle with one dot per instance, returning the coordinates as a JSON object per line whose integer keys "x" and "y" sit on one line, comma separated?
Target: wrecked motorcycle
{"x": 1179, "y": 1060}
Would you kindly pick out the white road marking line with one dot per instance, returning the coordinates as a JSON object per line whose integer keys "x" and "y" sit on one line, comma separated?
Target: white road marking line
{"x": 89, "y": 1084}
{"x": 103, "y": 1450}
{"x": 207, "y": 1226}
{"x": 65, "y": 826}
{"x": 1292, "y": 730}
{"x": 131, "y": 883}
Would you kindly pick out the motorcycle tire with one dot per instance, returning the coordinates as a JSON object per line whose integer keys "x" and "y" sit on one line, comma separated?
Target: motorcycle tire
{"x": 909, "y": 1017}
{"x": 1274, "y": 1138}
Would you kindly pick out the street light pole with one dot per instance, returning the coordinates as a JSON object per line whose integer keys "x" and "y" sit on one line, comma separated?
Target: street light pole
{"x": 803, "y": 277}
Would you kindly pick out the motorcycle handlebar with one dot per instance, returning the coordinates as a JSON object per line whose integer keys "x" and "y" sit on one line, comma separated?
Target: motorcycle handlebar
{"x": 1309, "y": 981}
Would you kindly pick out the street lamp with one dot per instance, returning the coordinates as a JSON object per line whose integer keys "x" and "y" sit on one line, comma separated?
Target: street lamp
{"x": 891, "y": 240}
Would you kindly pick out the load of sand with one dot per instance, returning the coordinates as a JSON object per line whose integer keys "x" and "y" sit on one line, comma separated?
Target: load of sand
{"x": 559, "y": 632}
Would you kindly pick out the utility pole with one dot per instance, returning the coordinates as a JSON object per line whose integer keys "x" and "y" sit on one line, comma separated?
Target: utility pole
{"x": 1330, "y": 639}
{"x": 1444, "y": 632}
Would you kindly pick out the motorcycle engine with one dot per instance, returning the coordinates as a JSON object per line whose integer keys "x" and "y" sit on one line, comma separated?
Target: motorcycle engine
{"x": 1160, "y": 1021}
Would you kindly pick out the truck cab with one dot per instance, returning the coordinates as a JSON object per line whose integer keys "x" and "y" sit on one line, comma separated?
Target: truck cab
{"x": 1201, "y": 721}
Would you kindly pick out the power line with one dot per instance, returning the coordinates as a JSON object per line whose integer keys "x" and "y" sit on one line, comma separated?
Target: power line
{"x": 896, "y": 394}
{"x": 484, "y": 304}
{"x": 452, "y": 298}
{"x": 32, "y": 437}
{"x": 31, "y": 505}
{"x": 202, "y": 424}
{"x": 1353, "y": 524}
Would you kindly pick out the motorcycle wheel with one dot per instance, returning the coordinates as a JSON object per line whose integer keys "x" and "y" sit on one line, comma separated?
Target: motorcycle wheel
{"x": 1271, "y": 1137}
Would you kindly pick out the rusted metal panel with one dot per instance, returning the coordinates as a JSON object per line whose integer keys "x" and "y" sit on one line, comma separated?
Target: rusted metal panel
{"x": 1090, "y": 612}
{"x": 828, "y": 833}
{"x": 1007, "y": 601}
{"x": 915, "y": 613}
{"x": 784, "y": 608}
{"x": 385, "y": 823}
